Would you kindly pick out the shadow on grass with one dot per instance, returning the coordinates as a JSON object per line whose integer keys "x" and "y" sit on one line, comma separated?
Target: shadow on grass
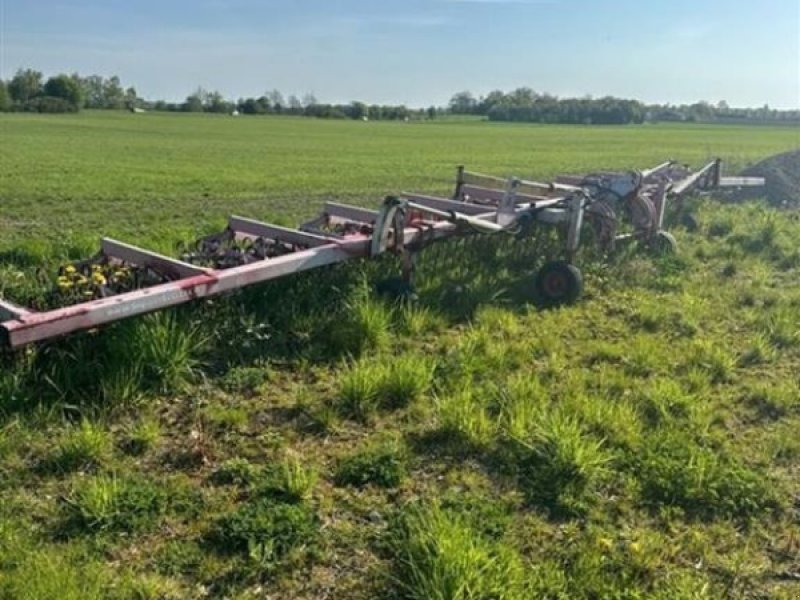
{"x": 317, "y": 317}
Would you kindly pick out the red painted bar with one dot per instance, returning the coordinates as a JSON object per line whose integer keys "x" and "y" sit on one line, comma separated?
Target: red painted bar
{"x": 33, "y": 327}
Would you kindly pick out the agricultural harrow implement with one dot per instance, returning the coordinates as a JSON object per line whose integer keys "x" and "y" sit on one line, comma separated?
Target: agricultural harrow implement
{"x": 123, "y": 281}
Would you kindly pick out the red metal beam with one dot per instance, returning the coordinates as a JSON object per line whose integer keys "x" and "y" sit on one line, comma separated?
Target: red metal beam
{"x": 33, "y": 327}
{"x": 40, "y": 326}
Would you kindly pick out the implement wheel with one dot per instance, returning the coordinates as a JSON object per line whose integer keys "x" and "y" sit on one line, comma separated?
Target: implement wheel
{"x": 396, "y": 288}
{"x": 558, "y": 283}
{"x": 664, "y": 243}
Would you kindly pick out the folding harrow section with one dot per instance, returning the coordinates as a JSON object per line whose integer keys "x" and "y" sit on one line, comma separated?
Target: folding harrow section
{"x": 124, "y": 280}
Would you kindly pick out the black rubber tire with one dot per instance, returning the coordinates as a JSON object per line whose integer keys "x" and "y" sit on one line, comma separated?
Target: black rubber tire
{"x": 558, "y": 283}
{"x": 396, "y": 288}
{"x": 664, "y": 242}
{"x": 526, "y": 223}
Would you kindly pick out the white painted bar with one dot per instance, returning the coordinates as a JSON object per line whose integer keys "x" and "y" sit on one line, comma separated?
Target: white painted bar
{"x": 498, "y": 195}
{"x": 9, "y": 310}
{"x": 741, "y": 182}
{"x": 350, "y": 213}
{"x": 681, "y": 186}
{"x": 146, "y": 258}
{"x": 276, "y": 232}
{"x": 446, "y": 204}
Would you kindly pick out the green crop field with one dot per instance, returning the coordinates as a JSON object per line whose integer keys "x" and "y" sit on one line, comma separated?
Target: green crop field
{"x": 305, "y": 439}
{"x": 134, "y": 174}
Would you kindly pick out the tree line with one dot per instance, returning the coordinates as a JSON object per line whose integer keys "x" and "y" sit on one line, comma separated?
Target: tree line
{"x": 524, "y": 104}
{"x": 28, "y": 90}
{"x": 274, "y": 102}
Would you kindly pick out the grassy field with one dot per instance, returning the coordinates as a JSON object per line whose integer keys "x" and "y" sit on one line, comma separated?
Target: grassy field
{"x": 140, "y": 175}
{"x": 287, "y": 443}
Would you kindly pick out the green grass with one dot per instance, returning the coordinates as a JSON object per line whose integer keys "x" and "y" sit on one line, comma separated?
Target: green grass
{"x": 382, "y": 464}
{"x": 305, "y": 439}
{"x": 145, "y": 176}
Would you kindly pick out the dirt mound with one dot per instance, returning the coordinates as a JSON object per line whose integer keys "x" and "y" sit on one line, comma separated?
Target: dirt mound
{"x": 782, "y": 174}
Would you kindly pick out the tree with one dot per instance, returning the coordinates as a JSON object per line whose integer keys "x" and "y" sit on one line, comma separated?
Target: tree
{"x": 295, "y": 106}
{"x": 25, "y": 85}
{"x": 64, "y": 87}
{"x": 489, "y": 102}
{"x": 216, "y": 103}
{"x": 93, "y": 91}
{"x": 113, "y": 95}
{"x": 5, "y": 99}
{"x": 463, "y": 103}
{"x": 195, "y": 102}
{"x": 131, "y": 98}
{"x": 523, "y": 96}
{"x": 357, "y": 110}
{"x": 276, "y": 100}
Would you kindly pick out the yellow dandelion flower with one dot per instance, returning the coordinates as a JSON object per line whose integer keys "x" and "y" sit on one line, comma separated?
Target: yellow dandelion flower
{"x": 69, "y": 269}
{"x": 99, "y": 279}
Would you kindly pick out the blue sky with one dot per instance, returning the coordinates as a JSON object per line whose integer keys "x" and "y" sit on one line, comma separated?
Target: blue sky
{"x": 418, "y": 52}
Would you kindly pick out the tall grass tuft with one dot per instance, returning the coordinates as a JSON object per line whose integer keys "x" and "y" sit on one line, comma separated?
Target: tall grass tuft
{"x": 86, "y": 446}
{"x": 464, "y": 419}
{"x": 58, "y": 573}
{"x": 674, "y": 470}
{"x": 359, "y": 388}
{"x": 760, "y": 351}
{"x": 383, "y": 381}
{"x": 108, "y": 502}
{"x": 365, "y": 326}
{"x": 417, "y": 320}
{"x": 781, "y": 327}
{"x": 169, "y": 350}
{"x": 142, "y": 436}
{"x": 522, "y": 403}
{"x": 406, "y": 378}
{"x": 714, "y": 359}
{"x": 439, "y": 557}
{"x": 381, "y": 464}
{"x": 289, "y": 480}
{"x": 560, "y": 464}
